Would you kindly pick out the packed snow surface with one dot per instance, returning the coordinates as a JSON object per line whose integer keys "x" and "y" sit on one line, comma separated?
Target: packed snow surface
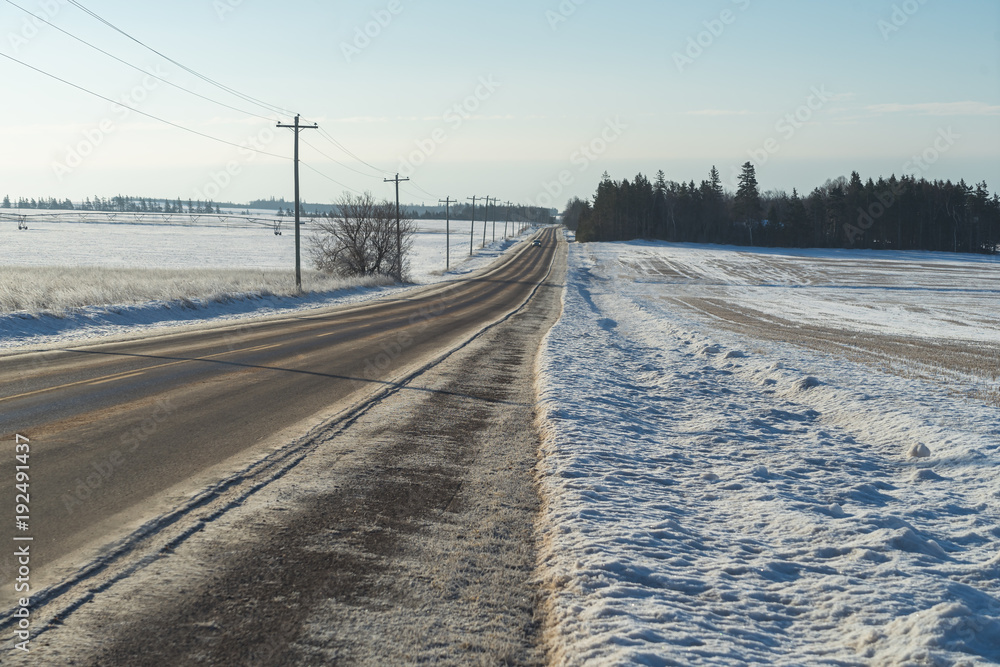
{"x": 722, "y": 494}
{"x": 200, "y": 256}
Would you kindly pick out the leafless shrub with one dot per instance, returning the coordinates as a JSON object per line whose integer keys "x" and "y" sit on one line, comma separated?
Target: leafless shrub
{"x": 361, "y": 238}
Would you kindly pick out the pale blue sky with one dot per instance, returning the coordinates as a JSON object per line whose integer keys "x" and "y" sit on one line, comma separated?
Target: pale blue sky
{"x": 888, "y": 80}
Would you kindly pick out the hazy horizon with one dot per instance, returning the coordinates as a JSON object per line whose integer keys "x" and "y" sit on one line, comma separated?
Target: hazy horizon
{"x": 502, "y": 101}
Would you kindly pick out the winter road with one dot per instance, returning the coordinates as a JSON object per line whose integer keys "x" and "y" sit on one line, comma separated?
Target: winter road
{"x": 126, "y": 437}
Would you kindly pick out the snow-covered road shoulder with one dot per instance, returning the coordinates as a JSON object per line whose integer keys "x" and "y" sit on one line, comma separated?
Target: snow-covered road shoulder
{"x": 714, "y": 499}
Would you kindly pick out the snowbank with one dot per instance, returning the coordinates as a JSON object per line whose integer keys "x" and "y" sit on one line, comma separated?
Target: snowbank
{"x": 718, "y": 499}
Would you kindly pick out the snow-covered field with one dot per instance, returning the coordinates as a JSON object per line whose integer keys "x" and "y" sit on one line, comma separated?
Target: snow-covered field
{"x": 102, "y": 279}
{"x": 772, "y": 458}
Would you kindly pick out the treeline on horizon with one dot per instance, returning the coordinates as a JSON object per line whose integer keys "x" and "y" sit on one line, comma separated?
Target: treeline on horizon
{"x": 497, "y": 213}
{"x": 129, "y": 204}
{"x": 903, "y": 213}
{"x": 116, "y": 204}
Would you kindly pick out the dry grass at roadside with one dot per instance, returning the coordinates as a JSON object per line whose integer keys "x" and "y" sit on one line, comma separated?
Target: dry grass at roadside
{"x": 57, "y": 289}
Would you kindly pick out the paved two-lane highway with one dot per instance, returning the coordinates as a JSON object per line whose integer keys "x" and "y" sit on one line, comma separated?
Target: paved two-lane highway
{"x": 115, "y": 428}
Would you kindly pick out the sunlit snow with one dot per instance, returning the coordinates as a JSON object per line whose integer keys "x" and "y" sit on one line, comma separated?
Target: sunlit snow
{"x": 743, "y": 464}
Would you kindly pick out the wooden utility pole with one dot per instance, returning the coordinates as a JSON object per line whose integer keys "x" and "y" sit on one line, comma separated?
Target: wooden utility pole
{"x": 298, "y": 243}
{"x": 486, "y": 219}
{"x": 494, "y": 220}
{"x": 399, "y": 236}
{"x": 447, "y": 233}
{"x": 472, "y": 230}
{"x": 506, "y": 220}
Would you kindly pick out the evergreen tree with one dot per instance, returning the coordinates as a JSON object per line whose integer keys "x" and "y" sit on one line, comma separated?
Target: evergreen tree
{"x": 661, "y": 207}
{"x": 837, "y": 212}
{"x": 6, "y": 201}
{"x": 797, "y": 221}
{"x": 715, "y": 182}
{"x": 747, "y": 206}
{"x": 660, "y": 184}
{"x": 816, "y": 208}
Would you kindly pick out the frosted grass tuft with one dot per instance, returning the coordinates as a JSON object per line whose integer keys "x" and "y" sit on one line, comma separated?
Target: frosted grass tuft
{"x": 59, "y": 289}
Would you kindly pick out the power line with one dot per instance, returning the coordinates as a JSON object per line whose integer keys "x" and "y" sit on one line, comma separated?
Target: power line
{"x": 135, "y": 67}
{"x": 429, "y": 194}
{"x": 231, "y": 91}
{"x": 326, "y": 135}
{"x": 332, "y": 159}
{"x": 351, "y": 153}
{"x": 141, "y": 113}
{"x": 213, "y": 82}
{"x": 332, "y": 180}
{"x": 330, "y": 138}
{"x": 413, "y": 194}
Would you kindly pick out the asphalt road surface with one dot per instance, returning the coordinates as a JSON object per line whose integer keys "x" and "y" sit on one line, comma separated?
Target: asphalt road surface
{"x": 119, "y": 432}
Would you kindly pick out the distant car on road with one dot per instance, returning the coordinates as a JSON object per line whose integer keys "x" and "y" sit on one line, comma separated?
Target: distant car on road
{"x": 536, "y": 242}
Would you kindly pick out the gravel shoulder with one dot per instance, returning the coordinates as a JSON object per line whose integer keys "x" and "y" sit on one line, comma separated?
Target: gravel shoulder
{"x": 406, "y": 536}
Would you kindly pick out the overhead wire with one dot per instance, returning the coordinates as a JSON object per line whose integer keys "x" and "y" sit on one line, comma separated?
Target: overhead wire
{"x": 429, "y": 194}
{"x": 248, "y": 98}
{"x": 232, "y": 91}
{"x": 329, "y": 137}
{"x": 326, "y": 135}
{"x": 141, "y": 113}
{"x": 329, "y": 178}
{"x": 135, "y": 67}
{"x": 335, "y": 160}
{"x": 414, "y": 194}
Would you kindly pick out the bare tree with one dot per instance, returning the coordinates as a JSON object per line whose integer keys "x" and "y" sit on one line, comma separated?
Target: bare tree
{"x": 359, "y": 238}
